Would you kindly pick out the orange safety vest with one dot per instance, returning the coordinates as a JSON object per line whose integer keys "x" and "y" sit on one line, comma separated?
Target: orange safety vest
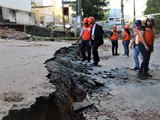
{"x": 114, "y": 35}
{"x": 126, "y": 36}
{"x": 148, "y": 36}
{"x": 86, "y": 35}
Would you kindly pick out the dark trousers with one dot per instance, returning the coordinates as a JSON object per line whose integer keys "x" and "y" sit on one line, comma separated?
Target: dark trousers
{"x": 114, "y": 46}
{"x": 85, "y": 47}
{"x": 146, "y": 57}
{"x": 96, "y": 58}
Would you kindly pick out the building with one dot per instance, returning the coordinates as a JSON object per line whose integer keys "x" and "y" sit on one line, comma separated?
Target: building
{"x": 16, "y": 11}
{"x": 50, "y": 11}
{"x": 58, "y": 6}
{"x": 43, "y": 10}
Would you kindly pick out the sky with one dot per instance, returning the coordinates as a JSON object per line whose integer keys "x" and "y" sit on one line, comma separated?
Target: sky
{"x": 140, "y": 6}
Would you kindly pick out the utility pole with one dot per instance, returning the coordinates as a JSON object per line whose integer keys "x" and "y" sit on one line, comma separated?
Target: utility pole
{"x": 122, "y": 16}
{"x": 63, "y": 14}
{"x": 134, "y": 11}
{"x": 79, "y": 12}
{"x": 78, "y": 20}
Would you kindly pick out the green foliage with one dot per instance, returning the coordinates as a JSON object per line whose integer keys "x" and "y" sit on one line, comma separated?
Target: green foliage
{"x": 153, "y": 6}
{"x": 95, "y": 8}
{"x": 106, "y": 16}
{"x": 33, "y": 4}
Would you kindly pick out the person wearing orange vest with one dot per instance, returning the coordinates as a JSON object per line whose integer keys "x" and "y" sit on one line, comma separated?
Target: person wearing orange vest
{"x": 146, "y": 41}
{"x": 114, "y": 40}
{"x": 85, "y": 45}
{"x": 126, "y": 36}
{"x": 134, "y": 44}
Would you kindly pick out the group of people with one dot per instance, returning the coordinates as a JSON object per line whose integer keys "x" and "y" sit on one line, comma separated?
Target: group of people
{"x": 142, "y": 43}
{"x": 125, "y": 36}
{"x": 91, "y": 37}
{"x": 144, "y": 39}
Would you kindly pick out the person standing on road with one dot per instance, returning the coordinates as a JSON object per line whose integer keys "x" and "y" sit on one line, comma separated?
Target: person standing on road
{"x": 146, "y": 41}
{"x": 96, "y": 39}
{"x": 135, "y": 43}
{"x": 114, "y": 40}
{"x": 85, "y": 44}
{"x": 126, "y": 36}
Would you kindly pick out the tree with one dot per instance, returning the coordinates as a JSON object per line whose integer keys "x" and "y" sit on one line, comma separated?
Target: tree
{"x": 33, "y": 4}
{"x": 95, "y": 8}
{"x": 152, "y": 8}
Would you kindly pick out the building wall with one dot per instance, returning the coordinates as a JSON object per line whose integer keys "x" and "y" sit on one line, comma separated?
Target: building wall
{"x": 19, "y": 17}
{"x": 9, "y": 14}
{"x": 25, "y": 18}
{"x": 24, "y": 5}
{"x": 43, "y": 2}
{"x": 57, "y": 11}
{"x": 55, "y": 14}
{"x": 44, "y": 14}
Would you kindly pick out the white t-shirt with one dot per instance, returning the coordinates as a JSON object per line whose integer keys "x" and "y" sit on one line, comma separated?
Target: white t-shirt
{"x": 93, "y": 29}
{"x": 136, "y": 40}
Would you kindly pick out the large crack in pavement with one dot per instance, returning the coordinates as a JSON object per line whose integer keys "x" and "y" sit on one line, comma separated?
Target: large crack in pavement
{"x": 84, "y": 92}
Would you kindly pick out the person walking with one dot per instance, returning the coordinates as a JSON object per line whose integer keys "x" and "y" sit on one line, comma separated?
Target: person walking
{"x": 114, "y": 40}
{"x": 96, "y": 39}
{"x": 146, "y": 41}
{"x": 85, "y": 44}
{"x": 126, "y": 36}
{"x": 135, "y": 43}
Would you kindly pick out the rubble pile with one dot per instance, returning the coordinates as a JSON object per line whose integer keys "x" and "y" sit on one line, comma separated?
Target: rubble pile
{"x": 11, "y": 33}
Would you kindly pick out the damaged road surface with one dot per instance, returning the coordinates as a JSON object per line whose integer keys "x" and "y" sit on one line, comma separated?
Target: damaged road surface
{"x": 23, "y": 73}
{"x": 85, "y": 92}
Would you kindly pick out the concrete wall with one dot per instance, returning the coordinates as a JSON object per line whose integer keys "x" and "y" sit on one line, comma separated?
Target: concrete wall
{"x": 8, "y": 14}
{"x": 44, "y": 14}
{"x": 43, "y": 2}
{"x": 48, "y": 19}
{"x": 19, "y": 17}
{"x": 25, "y": 18}
{"x": 24, "y": 5}
{"x": 57, "y": 9}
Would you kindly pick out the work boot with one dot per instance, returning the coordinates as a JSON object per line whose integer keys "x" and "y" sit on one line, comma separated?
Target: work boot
{"x": 146, "y": 74}
{"x": 116, "y": 53}
{"x": 140, "y": 75}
